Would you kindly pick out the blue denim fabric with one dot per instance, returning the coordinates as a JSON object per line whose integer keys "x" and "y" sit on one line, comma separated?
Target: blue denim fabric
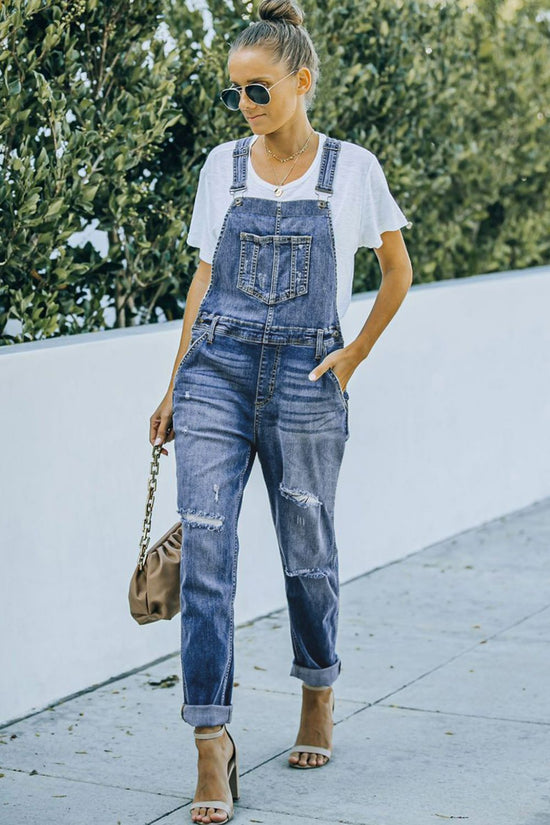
{"x": 267, "y": 319}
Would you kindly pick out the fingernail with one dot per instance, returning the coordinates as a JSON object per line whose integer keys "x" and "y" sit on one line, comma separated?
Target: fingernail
{"x": 312, "y": 376}
{"x": 158, "y": 441}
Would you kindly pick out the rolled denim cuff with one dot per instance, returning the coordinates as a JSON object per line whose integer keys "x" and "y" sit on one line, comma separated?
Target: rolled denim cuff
{"x": 315, "y": 676}
{"x": 206, "y": 715}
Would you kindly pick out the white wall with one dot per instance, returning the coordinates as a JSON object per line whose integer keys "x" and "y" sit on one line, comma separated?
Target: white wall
{"x": 449, "y": 428}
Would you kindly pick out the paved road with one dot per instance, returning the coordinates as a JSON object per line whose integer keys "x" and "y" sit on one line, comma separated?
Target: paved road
{"x": 442, "y": 708}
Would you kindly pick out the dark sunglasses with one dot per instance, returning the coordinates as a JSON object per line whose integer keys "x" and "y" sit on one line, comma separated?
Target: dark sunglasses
{"x": 254, "y": 91}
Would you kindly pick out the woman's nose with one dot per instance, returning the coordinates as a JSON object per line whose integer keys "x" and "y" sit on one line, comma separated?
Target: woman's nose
{"x": 247, "y": 100}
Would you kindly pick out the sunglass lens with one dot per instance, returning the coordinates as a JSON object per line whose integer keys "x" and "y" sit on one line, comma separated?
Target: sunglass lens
{"x": 258, "y": 94}
{"x": 255, "y": 91}
{"x": 231, "y": 98}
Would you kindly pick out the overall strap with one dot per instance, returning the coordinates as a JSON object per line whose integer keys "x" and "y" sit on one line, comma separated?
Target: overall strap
{"x": 327, "y": 171}
{"x": 328, "y": 166}
{"x": 240, "y": 164}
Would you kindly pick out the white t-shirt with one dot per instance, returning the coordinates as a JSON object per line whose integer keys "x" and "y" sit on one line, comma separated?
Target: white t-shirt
{"x": 362, "y": 205}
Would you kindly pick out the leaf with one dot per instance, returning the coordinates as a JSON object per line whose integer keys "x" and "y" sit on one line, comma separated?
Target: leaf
{"x": 14, "y": 87}
{"x": 55, "y": 207}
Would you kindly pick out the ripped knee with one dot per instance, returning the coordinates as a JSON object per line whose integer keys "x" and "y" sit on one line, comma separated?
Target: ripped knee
{"x": 308, "y": 572}
{"x": 302, "y": 498}
{"x": 199, "y": 518}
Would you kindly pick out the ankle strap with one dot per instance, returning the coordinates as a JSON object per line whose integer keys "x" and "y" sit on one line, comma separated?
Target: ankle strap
{"x": 210, "y": 735}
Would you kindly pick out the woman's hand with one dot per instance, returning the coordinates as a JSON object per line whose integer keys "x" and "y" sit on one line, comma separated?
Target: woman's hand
{"x": 343, "y": 362}
{"x": 160, "y": 423}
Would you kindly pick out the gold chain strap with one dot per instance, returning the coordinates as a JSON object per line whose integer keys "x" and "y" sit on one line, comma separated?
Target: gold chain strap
{"x": 152, "y": 488}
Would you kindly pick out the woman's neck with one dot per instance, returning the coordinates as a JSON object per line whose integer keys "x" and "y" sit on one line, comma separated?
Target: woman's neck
{"x": 289, "y": 143}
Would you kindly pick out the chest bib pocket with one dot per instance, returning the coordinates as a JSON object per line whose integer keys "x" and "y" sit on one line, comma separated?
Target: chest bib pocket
{"x": 274, "y": 268}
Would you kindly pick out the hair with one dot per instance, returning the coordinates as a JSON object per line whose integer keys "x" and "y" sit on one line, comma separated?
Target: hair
{"x": 280, "y": 29}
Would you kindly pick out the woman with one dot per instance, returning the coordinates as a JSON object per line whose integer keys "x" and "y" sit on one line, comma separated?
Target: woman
{"x": 277, "y": 216}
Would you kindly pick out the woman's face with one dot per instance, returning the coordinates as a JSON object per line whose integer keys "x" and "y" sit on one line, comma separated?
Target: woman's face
{"x": 255, "y": 65}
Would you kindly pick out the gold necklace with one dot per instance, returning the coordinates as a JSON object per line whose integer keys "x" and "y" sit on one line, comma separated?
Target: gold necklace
{"x": 299, "y": 152}
{"x": 278, "y": 190}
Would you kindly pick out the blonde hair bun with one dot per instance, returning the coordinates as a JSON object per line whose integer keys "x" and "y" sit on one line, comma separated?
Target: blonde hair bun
{"x": 284, "y": 10}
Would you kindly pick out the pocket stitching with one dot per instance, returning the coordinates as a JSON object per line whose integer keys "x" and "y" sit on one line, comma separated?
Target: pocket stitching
{"x": 343, "y": 393}
{"x": 191, "y": 348}
{"x": 343, "y": 397}
{"x": 250, "y": 272}
{"x": 297, "y": 241}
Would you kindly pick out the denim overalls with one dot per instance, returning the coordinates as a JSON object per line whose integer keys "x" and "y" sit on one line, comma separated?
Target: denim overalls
{"x": 268, "y": 318}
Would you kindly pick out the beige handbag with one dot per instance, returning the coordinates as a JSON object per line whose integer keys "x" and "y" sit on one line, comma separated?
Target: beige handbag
{"x": 155, "y": 584}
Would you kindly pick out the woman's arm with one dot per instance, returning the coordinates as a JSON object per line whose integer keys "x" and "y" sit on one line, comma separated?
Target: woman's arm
{"x": 160, "y": 423}
{"x": 195, "y": 294}
{"x": 397, "y": 276}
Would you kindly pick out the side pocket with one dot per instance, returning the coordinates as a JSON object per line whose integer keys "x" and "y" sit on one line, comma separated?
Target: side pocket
{"x": 343, "y": 396}
{"x": 197, "y": 337}
{"x": 343, "y": 393}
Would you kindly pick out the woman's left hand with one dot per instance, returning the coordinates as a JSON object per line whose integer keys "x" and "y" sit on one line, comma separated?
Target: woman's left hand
{"x": 343, "y": 363}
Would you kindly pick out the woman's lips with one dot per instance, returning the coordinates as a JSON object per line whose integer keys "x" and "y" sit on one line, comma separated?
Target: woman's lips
{"x": 254, "y": 117}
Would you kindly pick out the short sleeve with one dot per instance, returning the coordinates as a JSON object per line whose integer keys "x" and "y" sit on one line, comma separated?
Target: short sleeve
{"x": 380, "y": 211}
{"x": 201, "y": 232}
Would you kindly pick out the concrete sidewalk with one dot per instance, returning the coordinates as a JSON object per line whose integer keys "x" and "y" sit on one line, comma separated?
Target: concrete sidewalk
{"x": 442, "y": 708}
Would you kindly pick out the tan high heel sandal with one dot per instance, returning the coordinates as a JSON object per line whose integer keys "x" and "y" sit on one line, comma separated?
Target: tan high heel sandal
{"x": 232, "y": 775}
{"x": 313, "y": 748}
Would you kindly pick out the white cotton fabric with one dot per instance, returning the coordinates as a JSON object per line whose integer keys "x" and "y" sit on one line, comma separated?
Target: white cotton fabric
{"x": 362, "y": 204}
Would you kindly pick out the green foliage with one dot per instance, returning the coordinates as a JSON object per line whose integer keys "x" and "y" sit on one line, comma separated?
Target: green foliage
{"x": 92, "y": 128}
{"x": 107, "y": 111}
{"x": 454, "y": 100}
